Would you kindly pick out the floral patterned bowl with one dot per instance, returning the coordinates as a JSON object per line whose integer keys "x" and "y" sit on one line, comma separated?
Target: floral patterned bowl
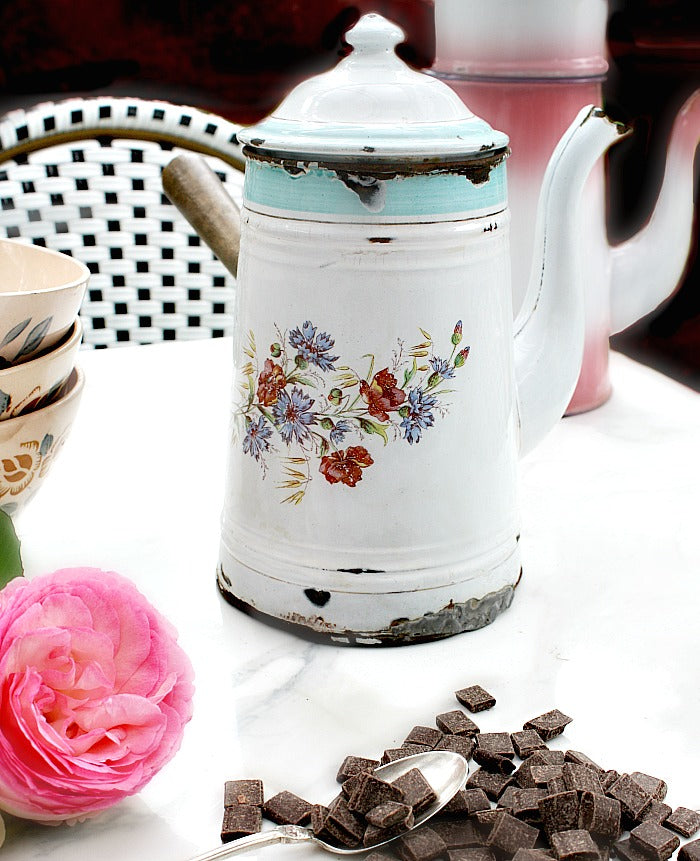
{"x": 33, "y": 384}
{"x": 40, "y": 295}
{"x": 30, "y": 442}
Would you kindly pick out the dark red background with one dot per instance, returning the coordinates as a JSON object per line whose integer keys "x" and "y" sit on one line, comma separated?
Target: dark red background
{"x": 239, "y": 58}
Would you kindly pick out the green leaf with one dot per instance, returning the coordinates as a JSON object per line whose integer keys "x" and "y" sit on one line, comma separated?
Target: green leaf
{"x": 409, "y": 375}
{"x": 10, "y": 559}
{"x": 368, "y": 426}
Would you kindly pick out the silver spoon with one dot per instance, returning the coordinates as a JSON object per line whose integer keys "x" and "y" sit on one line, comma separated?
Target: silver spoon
{"x": 444, "y": 770}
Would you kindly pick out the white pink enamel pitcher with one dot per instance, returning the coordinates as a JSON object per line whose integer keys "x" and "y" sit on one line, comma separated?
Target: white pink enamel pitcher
{"x": 381, "y": 395}
{"x": 529, "y": 67}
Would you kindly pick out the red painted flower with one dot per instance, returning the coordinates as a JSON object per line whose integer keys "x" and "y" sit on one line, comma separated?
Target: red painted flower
{"x": 345, "y": 466}
{"x": 270, "y": 383}
{"x": 382, "y": 395}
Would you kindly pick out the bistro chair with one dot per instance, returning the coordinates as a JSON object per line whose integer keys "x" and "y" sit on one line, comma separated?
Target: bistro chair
{"x": 83, "y": 176}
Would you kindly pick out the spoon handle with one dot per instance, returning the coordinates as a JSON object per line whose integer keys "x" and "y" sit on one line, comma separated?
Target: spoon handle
{"x": 281, "y": 834}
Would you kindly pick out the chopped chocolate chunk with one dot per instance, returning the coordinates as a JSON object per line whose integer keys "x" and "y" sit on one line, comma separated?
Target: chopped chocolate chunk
{"x": 317, "y": 820}
{"x": 608, "y": 778}
{"x": 285, "y": 808}
{"x": 470, "y": 853}
{"x": 624, "y": 850}
{"x": 240, "y": 820}
{"x": 581, "y": 759}
{"x": 632, "y": 797}
{"x": 388, "y": 813}
{"x": 549, "y": 724}
{"x": 394, "y": 753}
{"x": 654, "y": 840}
{"x": 351, "y": 784}
{"x": 415, "y": 789}
{"x": 496, "y": 743}
{"x": 526, "y": 741}
{"x": 533, "y": 855}
{"x": 542, "y": 774}
{"x": 656, "y": 812}
{"x": 559, "y": 812}
{"x": 581, "y": 778}
{"x": 423, "y": 844}
{"x": 492, "y": 784}
{"x": 375, "y": 835}
{"x": 486, "y": 819}
{"x": 243, "y": 792}
{"x": 371, "y": 792}
{"x": 345, "y": 826}
{"x": 523, "y": 776}
{"x": 461, "y": 744}
{"x": 686, "y": 822}
{"x": 352, "y": 765}
{"x": 600, "y": 815}
{"x": 458, "y": 834}
{"x": 690, "y": 852}
{"x": 426, "y": 735}
{"x": 465, "y": 802}
{"x": 494, "y": 762}
{"x": 475, "y": 698}
{"x": 509, "y": 834}
{"x": 575, "y": 844}
{"x": 456, "y": 723}
{"x": 555, "y": 786}
{"x": 525, "y": 804}
{"x": 656, "y": 787}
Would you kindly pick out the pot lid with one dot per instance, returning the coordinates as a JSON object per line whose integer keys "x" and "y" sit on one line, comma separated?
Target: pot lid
{"x": 372, "y": 105}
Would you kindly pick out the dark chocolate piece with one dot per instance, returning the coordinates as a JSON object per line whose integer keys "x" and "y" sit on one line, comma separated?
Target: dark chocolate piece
{"x": 389, "y": 813}
{"x": 549, "y": 725}
{"x": 632, "y": 797}
{"x": 497, "y": 743}
{"x": 423, "y": 844}
{"x": 346, "y": 827}
{"x": 470, "y": 853}
{"x": 624, "y": 850}
{"x": 457, "y": 834}
{"x": 465, "y": 802}
{"x": 555, "y": 786}
{"x": 526, "y": 741}
{"x": 317, "y": 822}
{"x": 559, "y": 812}
{"x": 523, "y": 776}
{"x": 462, "y": 744}
{"x": 240, "y": 820}
{"x": 533, "y": 855}
{"x": 285, "y": 808}
{"x": 542, "y": 774}
{"x": 374, "y": 835}
{"x": 581, "y": 759}
{"x": 475, "y": 698}
{"x": 509, "y": 834}
{"x": 654, "y": 840}
{"x": 656, "y": 787}
{"x": 426, "y": 735}
{"x": 686, "y": 822}
{"x": 525, "y": 804}
{"x": 495, "y": 762}
{"x": 371, "y": 792}
{"x": 456, "y": 723}
{"x": 690, "y": 852}
{"x": 492, "y": 784}
{"x": 581, "y": 778}
{"x": 601, "y": 816}
{"x": 415, "y": 790}
{"x": 656, "y": 812}
{"x": 575, "y": 844}
{"x": 394, "y": 753}
{"x": 486, "y": 819}
{"x": 352, "y": 765}
{"x": 351, "y": 784}
{"x": 608, "y": 778}
{"x": 243, "y": 792}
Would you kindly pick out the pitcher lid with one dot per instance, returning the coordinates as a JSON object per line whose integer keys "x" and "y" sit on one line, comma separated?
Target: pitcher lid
{"x": 372, "y": 105}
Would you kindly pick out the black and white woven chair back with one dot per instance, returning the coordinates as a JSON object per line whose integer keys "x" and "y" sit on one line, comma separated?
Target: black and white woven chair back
{"x": 83, "y": 176}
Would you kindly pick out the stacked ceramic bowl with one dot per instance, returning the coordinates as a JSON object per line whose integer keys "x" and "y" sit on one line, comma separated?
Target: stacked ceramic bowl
{"x": 40, "y": 383}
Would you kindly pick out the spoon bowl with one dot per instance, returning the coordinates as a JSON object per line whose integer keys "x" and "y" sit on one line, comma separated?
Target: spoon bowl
{"x": 444, "y": 770}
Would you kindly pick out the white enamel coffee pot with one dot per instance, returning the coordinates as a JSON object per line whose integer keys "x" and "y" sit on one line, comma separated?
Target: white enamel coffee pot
{"x": 380, "y": 398}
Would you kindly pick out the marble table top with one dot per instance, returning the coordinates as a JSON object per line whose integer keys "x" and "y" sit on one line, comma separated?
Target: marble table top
{"x": 604, "y": 623}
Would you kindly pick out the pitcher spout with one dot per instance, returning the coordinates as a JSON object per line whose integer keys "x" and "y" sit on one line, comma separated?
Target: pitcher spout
{"x": 549, "y": 330}
{"x": 647, "y": 268}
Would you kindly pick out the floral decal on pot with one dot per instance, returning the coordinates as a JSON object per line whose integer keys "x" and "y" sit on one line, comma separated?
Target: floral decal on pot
{"x": 322, "y": 415}
{"x": 19, "y": 470}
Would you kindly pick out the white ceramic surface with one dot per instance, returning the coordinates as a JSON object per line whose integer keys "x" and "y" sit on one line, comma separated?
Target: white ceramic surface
{"x": 40, "y": 295}
{"x": 40, "y": 379}
{"x": 604, "y": 625}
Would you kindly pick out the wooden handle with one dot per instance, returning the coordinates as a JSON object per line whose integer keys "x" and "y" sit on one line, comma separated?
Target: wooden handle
{"x": 198, "y": 193}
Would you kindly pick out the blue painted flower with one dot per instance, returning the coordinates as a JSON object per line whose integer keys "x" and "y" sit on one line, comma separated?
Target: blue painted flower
{"x": 257, "y": 438}
{"x": 292, "y": 414}
{"x": 442, "y": 367}
{"x": 313, "y": 347}
{"x": 338, "y": 433}
{"x": 417, "y": 414}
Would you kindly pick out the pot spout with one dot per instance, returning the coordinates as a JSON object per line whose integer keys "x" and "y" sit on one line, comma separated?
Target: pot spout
{"x": 549, "y": 330}
{"x": 648, "y": 267}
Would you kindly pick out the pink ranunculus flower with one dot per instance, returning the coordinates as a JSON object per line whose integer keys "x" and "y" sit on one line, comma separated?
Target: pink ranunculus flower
{"x": 94, "y": 693}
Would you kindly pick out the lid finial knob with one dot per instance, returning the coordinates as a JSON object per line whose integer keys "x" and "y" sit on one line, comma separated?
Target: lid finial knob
{"x": 374, "y": 34}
